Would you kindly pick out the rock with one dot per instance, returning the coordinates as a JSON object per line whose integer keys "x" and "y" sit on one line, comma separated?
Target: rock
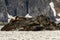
{"x": 3, "y": 13}
{"x": 34, "y": 8}
{"x": 22, "y": 9}
{"x": 40, "y": 7}
{"x": 38, "y": 23}
{"x": 11, "y": 6}
{"x": 57, "y": 7}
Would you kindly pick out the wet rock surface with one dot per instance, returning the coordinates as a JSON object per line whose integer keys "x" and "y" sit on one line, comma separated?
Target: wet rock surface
{"x": 38, "y": 23}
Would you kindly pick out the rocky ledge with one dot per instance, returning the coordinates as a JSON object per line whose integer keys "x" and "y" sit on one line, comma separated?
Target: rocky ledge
{"x": 38, "y": 23}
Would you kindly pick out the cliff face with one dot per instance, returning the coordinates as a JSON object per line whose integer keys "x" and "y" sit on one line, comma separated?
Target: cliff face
{"x": 3, "y": 12}
{"x": 40, "y": 7}
{"x": 23, "y": 7}
{"x": 11, "y": 6}
{"x": 35, "y": 8}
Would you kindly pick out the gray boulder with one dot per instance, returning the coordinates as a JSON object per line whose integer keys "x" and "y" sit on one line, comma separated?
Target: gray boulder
{"x": 40, "y": 7}
{"x": 12, "y": 7}
{"x": 3, "y": 13}
{"x": 21, "y": 9}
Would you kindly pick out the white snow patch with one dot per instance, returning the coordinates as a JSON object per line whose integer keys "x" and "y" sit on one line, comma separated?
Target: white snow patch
{"x": 10, "y": 17}
{"x": 28, "y": 16}
{"x": 52, "y": 7}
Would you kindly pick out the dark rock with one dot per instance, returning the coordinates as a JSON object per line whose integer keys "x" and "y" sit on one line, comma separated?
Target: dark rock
{"x": 38, "y": 23}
